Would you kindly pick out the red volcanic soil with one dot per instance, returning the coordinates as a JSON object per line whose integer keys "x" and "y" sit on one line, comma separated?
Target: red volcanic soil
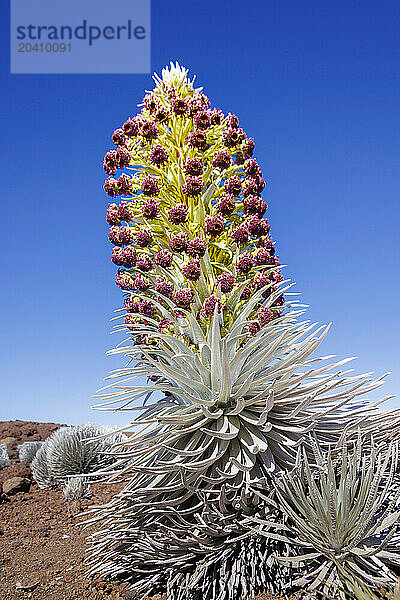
{"x": 41, "y": 548}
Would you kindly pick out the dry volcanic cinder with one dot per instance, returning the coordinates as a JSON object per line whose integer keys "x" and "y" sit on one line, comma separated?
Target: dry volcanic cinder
{"x": 220, "y": 369}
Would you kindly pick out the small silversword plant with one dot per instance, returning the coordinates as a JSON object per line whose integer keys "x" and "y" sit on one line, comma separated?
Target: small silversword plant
{"x": 83, "y": 449}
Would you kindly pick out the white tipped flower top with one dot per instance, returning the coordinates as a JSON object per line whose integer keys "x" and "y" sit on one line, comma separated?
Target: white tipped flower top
{"x": 175, "y": 75}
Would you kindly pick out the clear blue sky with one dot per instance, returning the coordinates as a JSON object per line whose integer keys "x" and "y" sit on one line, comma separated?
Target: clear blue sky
{"x": 316, "y": 84}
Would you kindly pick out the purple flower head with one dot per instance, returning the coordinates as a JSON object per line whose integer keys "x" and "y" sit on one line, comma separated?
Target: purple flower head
{"x": 151, "y": 209}
{"x": 124, "y": 184}
{"x": 144, "y": 237}
{"x": 193, "y": 186}
{"x": 257, "y": 226}
{"x": 111, "y": 157}
{"x": 131, "y": 304}
{"x": 247, "y": 292}
{"x": 118, "y": 137}
{"x": 253, "y": 327}
{"x": 239, "y": 158}
{"x": 193, "y": 166}
{"x": 252, "y": 224}
{"x": 209, "y": 305}
{"x": 199, "y": 102}
{"x": 214, "y": 225}
{"x": 164, "y": 287}
{"x": 226, "y": 205}
{"x": 111, "y": 162}
{"x": 204, "y": 100}
{"x": 131, "y": 127}
{"x": 267, "y": 243}
{"x": 276, "y": 276}
{"x": 248, "y": 148}
{"x": 141, "y": 283}
{"x": 124, "y": 280}
{"x": 261, "y": 184}
{"x": 233, "y": 185}
{"x": 117, "y": 256}
{"x": 147, "y": 308}
{"x": 178, "y": 213}
{"x": 164, "y": 258}
{"x": 216, "y": 116}
{"x": 179, "y": 106}
{"x": 162, "y": 114}
{"x": 222, "y": 159}
{"x": 245, "y": 262}
{"x": 150, "y": 102}
{"x": 260, "y": 281}
{"x": 233, "y": 137}
{"x": 254, "y": 205}
{"x": 112, "y": 215}
{"x": 126, "y": 235}
{"x": 197, "y": 139}
{"x": 126, "y": 211}
{"x": 240, "y": 235}
{"x": 158, "y": 155}
{"x": 202, "y": 120}
{"x": 232, "y": 122}
{"x": 129, "y": 256}
{"x": 130, "y": 320}
{"x": 253, "y": 186}
{"x": 150, "y": 186}
{"x": 264, "y": 316}
{"x": 227, "y": 281}
{"x": 179, "y": 242}
{"x": 124, "y": 158}
{"x": 262, "y": 209}
{"x": 149, "y": 130}
{"x": 183, "y": 298}
{"x": 263, "y": 257}
{"x": 197, "y": 247}
{"x": 114, "y": 236}
{"x": 111, "y": 187}
{"x": 165, "y": 326}
{"x": 252, "y": 168}
{"x": 144, "y": 262}
{"x": 192, "y": 269}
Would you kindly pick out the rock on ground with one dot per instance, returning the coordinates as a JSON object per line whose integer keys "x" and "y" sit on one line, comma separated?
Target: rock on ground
{"x": 16, "y": 484}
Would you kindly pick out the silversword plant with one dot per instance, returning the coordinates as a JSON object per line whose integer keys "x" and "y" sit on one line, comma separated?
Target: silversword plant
{"x": 4, "y": 458}
{"x": 220, "y": 369}
{"x": 82, "y": 449}
{"x": 28, "y": 450}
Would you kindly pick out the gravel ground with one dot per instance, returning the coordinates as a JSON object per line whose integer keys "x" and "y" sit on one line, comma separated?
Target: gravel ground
{"x": 42, "y": 549}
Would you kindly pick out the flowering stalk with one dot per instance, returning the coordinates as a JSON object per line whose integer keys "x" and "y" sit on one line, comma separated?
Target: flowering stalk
{"x": 191, "y": 213}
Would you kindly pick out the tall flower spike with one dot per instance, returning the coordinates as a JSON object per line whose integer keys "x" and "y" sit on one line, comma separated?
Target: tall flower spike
{"x": 233, "y": 389}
